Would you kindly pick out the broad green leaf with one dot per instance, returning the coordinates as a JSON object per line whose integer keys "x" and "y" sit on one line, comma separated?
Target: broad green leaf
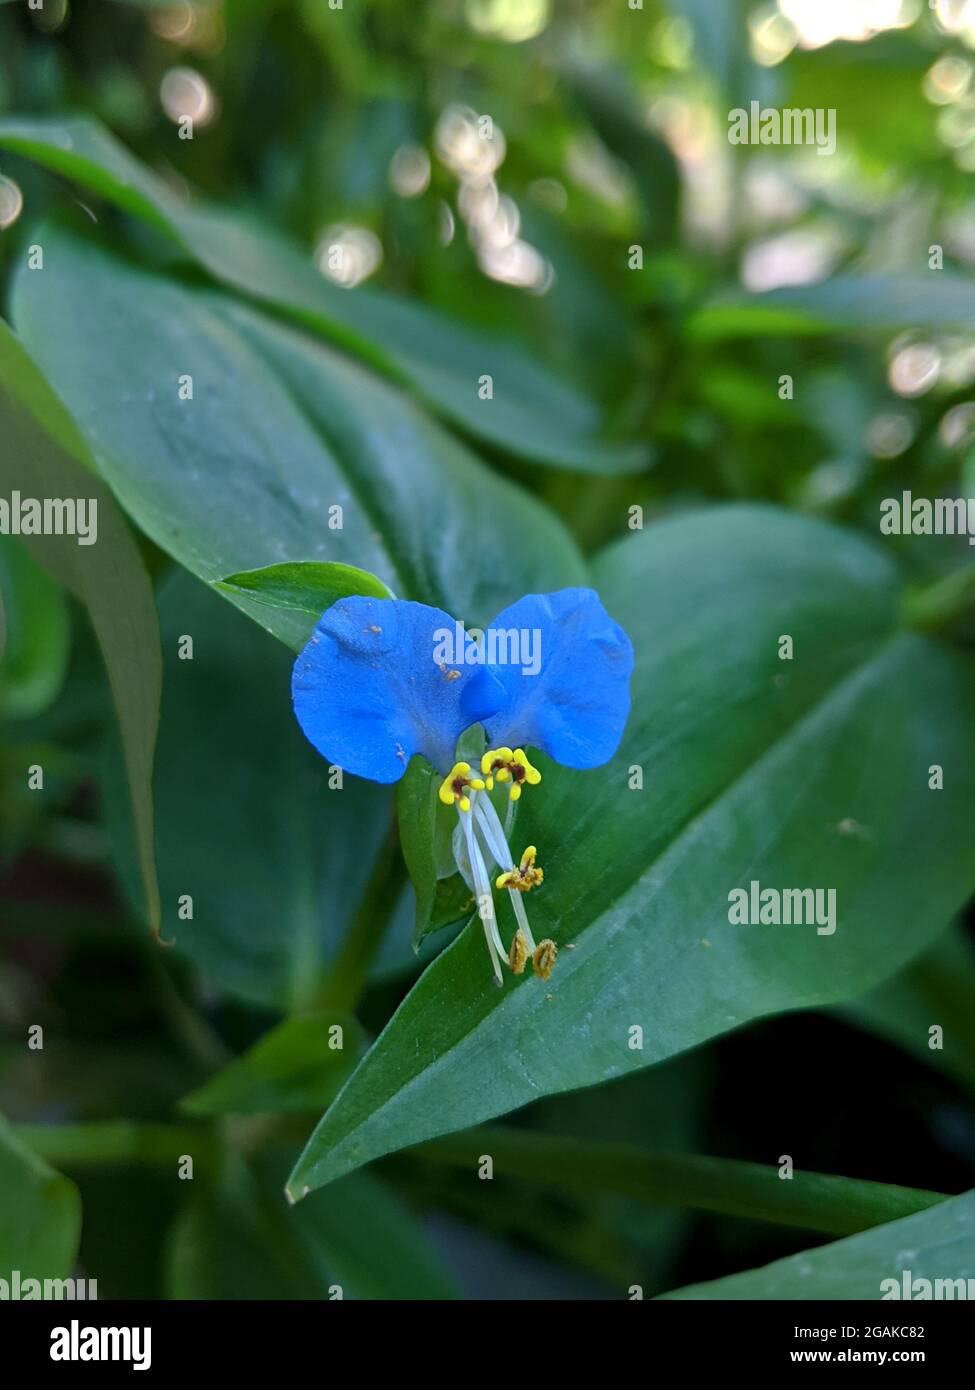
{"x": 40, "y": 1214}
{"x": 804, "y": 773}
{"x": 298, "y": 1065}
{"x": 308, "y": 588}
{"x": 44, "y": 456}
{"x": 279, "y": 431}
{"x": 35, "y": 641}
{"x": 532, "y": 414}
{"x": 937, "y": 1244}
{"x": 851, "y": 303}
{"x": 273, "y": 852}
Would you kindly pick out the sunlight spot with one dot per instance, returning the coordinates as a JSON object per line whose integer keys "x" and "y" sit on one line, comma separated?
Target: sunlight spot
{"x": 913, "y": 368}
{"x": 957, "y": 425}
{"x": 819, "y": 22}
{"x": 409, "y": 171}
{"x": 185, "y": 93}
{"x": 11, "y": 202}
{"x": 800, "y": 257}
{"x": 889, "y": 434}
{"x": 947, "y": 79}
{"x": 463, "y": 146}
{"x": 445, "y": 224}
{"x": 772, "y": 37}
{"x": 348, "y": 255}
{"x": 512, "y": 21}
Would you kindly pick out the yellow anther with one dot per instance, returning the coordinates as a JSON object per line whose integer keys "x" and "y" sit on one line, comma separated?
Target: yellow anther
{"x": 518, "y": 955}
{"x": 525, "y": 877}
{"x": 509, "y": 765}
{"x": 495, "y": 759}
{"x": 530, "y": 774}
{"x": 454, "y": 786}
{"x": 543, "y": 960}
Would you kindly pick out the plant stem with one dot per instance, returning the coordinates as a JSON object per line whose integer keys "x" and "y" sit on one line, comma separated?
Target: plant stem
{"x": 950, "y": 597}
{"x": 101, "y": 1142}
{"x": 346, "y": 976}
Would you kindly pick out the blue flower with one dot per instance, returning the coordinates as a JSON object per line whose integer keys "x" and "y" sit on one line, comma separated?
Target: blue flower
{"x": 368, "y": 693}
{"x": 383, "y": 679}
{"x": 576, "y": 707}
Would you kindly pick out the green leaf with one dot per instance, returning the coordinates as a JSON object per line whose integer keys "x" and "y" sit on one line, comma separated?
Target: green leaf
{"x": 372, "y": 1242}
{"x": 937, "y": 1244}
{"x": 532, "y": 413}
{"x": 425, "y": 828}
{"x": 233, "y": 1240}
{"x": 237, "y": 1239}
{"x": 616, "y": 116}
{"x": 34, "y": 634}
{"x": 40, "y": 1214}
{"x": 809, "y": 773}
{"x": 51, "y": 460}
{"x": 305, "y": 587}
{"x": 296, "y": 1066}
{"x": 272, "y": 851}
{"x": 99, "y": 1144}
{"x": 937, "y": 989}
{"x": 865, "y": 303}
{"x": 280, "y": 430}
{"x": 814, "y": 1201}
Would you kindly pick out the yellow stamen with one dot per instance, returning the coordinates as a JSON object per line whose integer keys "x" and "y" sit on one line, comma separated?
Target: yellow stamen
{"x": 525, "y": 877}
{"x": 495, "y": 758}
{"x": 543, "y": 961}
{"x": 509, "y": 765}
{"x": 454, "y": 786}
{"x": 518, "y": 955}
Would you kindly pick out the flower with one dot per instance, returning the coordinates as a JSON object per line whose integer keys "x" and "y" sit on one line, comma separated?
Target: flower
{"x": 384, "y": 679}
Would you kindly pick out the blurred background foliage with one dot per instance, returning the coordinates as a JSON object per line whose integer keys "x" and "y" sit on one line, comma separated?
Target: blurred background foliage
{"x": 358, "y": 128}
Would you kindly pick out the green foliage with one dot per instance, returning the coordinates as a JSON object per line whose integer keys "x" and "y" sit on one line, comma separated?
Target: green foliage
{"x": 720, "y": 737}
{"x": 307, "y": 587}
{"x": 40, "y": 1214}
{"x": 934, "y": 1244}
{"x": 565, "y": 367}
{"x": 44, "y": 456}
{"x": 36, "y": 635}
{"x": 532, "y": 414}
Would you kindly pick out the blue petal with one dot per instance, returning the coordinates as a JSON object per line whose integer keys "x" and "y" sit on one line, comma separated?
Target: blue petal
{"x": 368, "y": 692}
{"x": 576, "y": 707}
